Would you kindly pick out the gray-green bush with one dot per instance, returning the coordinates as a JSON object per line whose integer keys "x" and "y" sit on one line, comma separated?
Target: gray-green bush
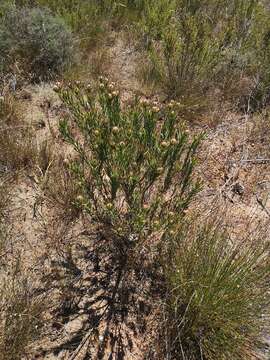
{"x": 39, "y": 43}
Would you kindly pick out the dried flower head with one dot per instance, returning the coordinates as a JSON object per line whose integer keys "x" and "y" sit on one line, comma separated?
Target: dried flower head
{"x": 57, "y": 86}
{"x": 79, "y": 198}
{"x": 155, "y": 109}
{"x": 115, "y": 130}
{"x": 144, "y": 102}
{"x": 109, "y": 206}
{"x": 115, "y": 93}
{"x": 164, "y": 144}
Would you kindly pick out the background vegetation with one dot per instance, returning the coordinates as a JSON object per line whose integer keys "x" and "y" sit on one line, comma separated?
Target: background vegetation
{"x": 191, "y": 48}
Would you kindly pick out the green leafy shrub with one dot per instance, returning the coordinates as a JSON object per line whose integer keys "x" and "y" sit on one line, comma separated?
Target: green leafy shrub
{"x": 39, "y": 42}
{"x": 131, "y": 169}
{"x": 218, "y": 296}
{"x": 134, "y": 166}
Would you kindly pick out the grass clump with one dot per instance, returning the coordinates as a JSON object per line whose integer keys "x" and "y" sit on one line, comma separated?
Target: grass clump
{"x": 61, "y": 189}
{"x": 18, "y": 149}
{"x": 20, "y": 309}
{"x": 39, "y": 43}
{"x": 218, "y": 296}
{"x": 19, "y": 317}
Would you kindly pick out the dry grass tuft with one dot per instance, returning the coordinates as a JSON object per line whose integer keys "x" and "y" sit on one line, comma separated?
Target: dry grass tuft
{"x": 61, "y": 189}
{"x": 16, "y": 138}
{"x": 20, "y": 317}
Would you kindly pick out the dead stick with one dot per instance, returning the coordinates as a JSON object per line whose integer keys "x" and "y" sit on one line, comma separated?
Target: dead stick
{"x": 262, "y": 161}
{"x": 262, "y": 205}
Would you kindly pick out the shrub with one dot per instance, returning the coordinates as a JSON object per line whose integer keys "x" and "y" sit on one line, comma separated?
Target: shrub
{"x": 83, "y": 17}
{"x": 36, "y": 40}
{"x": 218, "y": 295}
{"x": 259, "y": 71}
{"x": 135, "y": 165}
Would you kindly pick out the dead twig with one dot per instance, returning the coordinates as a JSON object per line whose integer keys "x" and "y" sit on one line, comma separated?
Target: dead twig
{"x": 252, "y": 161}
{"x": 259, "y": 201}
{"x": 79, "y": 348}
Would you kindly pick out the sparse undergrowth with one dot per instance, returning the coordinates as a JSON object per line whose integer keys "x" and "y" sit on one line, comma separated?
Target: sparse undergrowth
{"x": 61, "y": 189}
{"x": 3, "y": 204}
